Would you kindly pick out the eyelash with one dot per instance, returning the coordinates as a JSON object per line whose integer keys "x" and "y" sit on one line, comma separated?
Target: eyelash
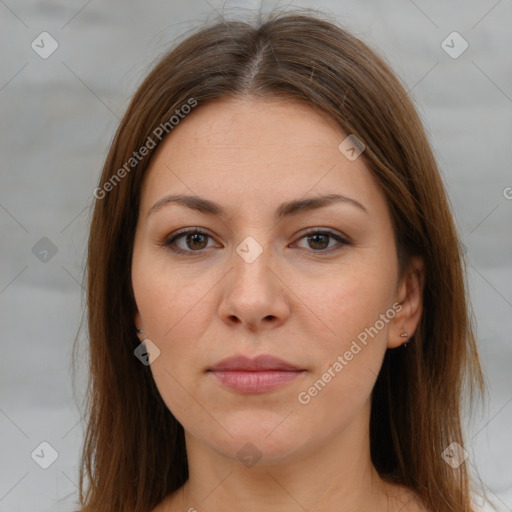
{"x": 170, "y": 241}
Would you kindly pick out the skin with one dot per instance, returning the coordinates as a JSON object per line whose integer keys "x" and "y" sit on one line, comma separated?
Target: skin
{"x": 303, "y": 300}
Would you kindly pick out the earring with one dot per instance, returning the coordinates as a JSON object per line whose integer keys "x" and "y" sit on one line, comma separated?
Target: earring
{"x": 139, "y": 330}
{"x": 404, "y": 335}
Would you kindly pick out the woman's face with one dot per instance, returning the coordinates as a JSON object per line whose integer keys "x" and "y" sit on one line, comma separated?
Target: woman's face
{"x": 254, "y": 282}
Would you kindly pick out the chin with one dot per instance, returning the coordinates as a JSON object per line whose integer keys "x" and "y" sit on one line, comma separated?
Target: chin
{"x": 265, "y": 437}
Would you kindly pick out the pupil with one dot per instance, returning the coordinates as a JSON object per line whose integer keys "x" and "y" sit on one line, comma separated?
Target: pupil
{"x": 315, "y": 237}
{"x": 195, "y": 237}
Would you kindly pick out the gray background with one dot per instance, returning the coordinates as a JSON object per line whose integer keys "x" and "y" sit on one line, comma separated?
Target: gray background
{"x": 59, "y": 115}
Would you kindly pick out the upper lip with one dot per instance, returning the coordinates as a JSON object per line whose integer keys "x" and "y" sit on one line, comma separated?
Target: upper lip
{"x": 259, "y": 363}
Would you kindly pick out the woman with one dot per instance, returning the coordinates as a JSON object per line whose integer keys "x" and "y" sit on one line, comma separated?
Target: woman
{"x": 276, "y": 297}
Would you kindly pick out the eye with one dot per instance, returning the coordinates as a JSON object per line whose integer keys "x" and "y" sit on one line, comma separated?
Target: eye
{"x": 194, "y": 241}
{"x": 319, "y": 239}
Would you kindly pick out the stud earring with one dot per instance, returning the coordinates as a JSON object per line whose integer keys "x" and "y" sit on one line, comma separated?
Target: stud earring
{"x": 139, "y": 330}
{"x": 405, "y": 335}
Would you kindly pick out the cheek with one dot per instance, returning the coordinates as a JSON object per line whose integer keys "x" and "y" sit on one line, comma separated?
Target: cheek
{"x": 175, "y": 310}
{"x": 172, "y": 310}
{"x": 356, "y": 306}
{"x": 169, "y": 302}
{"x": 350, "y": 354}
{"x": 350, "y": 302}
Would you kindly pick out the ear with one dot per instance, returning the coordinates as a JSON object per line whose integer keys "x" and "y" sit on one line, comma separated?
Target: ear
{"x": 138, "y": 325}
{"x": 410, "y": 295}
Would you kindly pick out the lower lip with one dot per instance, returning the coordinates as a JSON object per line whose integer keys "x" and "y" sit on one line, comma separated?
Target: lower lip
{"x": 255, "y": 382}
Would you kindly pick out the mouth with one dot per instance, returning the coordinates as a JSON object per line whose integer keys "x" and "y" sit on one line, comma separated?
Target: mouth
{"x": 254, "y": 375}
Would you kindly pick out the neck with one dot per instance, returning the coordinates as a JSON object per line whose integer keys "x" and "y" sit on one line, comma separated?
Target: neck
{"x": 329, "y": 476}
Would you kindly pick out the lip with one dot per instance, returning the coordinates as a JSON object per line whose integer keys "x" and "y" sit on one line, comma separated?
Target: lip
{"x": 254, "y": 375}
{"x": 262, "y": 362}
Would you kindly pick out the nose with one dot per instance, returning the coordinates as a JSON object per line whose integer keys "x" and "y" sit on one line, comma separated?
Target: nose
{"x": 254, "y": 295}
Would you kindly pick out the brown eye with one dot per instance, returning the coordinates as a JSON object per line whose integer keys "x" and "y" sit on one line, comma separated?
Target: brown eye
{"x": 196, "y": 241}
{"x": 319, "y": 240}
{"x": 192, "y": 241}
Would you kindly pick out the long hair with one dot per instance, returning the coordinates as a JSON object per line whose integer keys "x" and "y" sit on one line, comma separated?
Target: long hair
{"x": 134, "y": 449}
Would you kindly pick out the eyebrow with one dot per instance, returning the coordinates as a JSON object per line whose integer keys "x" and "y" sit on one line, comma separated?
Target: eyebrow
{"x": 286, "y": 209}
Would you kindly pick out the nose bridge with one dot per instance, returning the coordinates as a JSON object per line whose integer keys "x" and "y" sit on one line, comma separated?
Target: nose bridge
{"x": 253, "y": 292}
{"x": 251, "y": 262}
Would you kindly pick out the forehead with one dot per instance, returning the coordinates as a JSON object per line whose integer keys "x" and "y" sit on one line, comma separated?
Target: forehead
{"x": 250, "y": 150}
{"x": 230, "y": 126}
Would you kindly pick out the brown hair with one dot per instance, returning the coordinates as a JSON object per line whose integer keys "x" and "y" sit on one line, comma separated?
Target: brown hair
{"x": 134, "y": 450}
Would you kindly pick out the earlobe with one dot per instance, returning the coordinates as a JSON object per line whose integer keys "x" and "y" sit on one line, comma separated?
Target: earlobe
{"x": 138, "y": 325}
{"x": 410, "y": 296}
